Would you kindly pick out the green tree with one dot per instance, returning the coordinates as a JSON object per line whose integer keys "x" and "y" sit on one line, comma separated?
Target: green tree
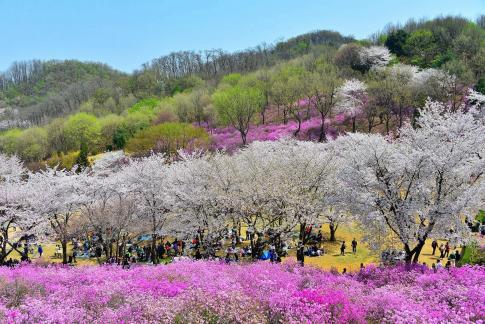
{"x": 395, "y": 41}
{"x": 32, "y": 144}
{"x": 82, "y": 160}
{"x": 83, "y": 128}
{"x": 108, "y": 127}
{"x": 167, "y": 138}
{"x": 236, "y": 106}
{"x": 421, "y": 46}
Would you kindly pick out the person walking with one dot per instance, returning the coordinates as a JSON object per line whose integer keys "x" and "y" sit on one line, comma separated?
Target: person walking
{"x": 249, "y": 233}
{"x": 342, "y": 248}
{"x": 40, "y": 250}
{"x": 447, "y": 249}
{"x": 434, "y": 245}
{"x": 354, "y": 246}
{"x": 300, "y": 256}
{"x": 58, "y": 253}
{"x": 442, "y": 251}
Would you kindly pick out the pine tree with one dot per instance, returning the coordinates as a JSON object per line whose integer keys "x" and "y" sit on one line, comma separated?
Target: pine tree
{"x": 82, "y": 159}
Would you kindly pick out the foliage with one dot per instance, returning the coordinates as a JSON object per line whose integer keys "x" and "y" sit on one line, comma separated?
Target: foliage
{"x": 197, "y": 292}
{"x": 167, "y": 138}
{"x": 236, "y": 106}
{"x": 147, "y": 106}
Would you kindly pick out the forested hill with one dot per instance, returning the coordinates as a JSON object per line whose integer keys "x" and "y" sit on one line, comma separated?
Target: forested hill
{"x": 34, "y": 92}
{"x": 51, "y": 110}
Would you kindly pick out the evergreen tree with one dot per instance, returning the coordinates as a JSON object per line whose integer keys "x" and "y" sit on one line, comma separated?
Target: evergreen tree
{"x": 82, "y": 159}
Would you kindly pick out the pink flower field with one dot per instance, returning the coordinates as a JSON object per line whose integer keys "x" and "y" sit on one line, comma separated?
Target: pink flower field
{"x": 213, "y": 292}
{"x": 229, "y": 139}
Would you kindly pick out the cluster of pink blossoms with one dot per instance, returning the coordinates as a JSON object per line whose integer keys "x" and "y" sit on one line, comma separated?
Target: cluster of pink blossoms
{"x": 213, "y": 292}
{"x": 229, "y": 138}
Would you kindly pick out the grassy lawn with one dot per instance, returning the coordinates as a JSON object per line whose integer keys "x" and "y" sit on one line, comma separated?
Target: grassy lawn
{"x": 48, "y": 255}
{"x": 333, "y": 259}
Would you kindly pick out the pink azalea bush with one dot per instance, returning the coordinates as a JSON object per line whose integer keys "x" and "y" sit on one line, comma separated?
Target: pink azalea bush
{"x": 213, "y": 292}
{"x": 229, "y": 138}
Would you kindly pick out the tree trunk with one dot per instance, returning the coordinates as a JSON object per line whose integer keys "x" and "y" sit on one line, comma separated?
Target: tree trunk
{"x": 64, "y": 251}
{"x": 413, "y": 255}
{"x": 333, "y": 229}
{"x": 400, "y": 115}
{"x": 302, "y": 235}
{"x": 298, "y": 120}
{"x": 253, "y": 252}
{"x": 243, "y": 137}
{"x": 323, "y": 135}
{"x": 154, "y": 249}
{"x": 353, "y": 124}
{"x": 418, "y": 252}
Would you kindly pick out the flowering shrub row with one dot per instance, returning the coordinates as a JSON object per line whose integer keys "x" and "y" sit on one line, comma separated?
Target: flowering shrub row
{"x": 228, "y": 138}
{"x": 213, "y": 292}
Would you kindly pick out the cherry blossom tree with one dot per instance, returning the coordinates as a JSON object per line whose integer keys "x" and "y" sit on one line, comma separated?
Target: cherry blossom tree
{"x": 420, "y": 185}
{"x": 286, "y": 185}
{"x": 204, "y": 201}
{"x": 476, "y": 100}
{"x": 108, "y": 209}
{"x": 56, "y": 196}
{"x": 18, "y": 221}
{"x": 374, "y": 56}
{"x": 149, "y": 180}
{"x": 353, "y": 98}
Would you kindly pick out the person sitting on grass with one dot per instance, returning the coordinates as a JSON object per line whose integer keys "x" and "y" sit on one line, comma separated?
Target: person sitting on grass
{"x": 439, "y": 265}
{"x": 448, "y": 265}
{"x": 424, "y": 267}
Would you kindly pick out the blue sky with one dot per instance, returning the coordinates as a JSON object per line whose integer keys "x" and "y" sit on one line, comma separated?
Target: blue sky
{"x": 126, "y": 33}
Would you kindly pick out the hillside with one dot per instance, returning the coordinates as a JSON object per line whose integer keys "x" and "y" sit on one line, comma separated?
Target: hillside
{"x": 37, "y": 91}
{"x": 314, "y": 87}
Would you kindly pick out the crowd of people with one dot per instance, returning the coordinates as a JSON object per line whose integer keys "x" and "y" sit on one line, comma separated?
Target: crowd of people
{"x": 230, "y": 247}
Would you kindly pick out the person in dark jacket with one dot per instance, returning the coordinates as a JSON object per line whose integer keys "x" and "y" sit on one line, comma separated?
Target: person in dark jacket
{"x": 342, "y": 248}
{"x": 300, "y": 254}
{"x": 434, "y": 245}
